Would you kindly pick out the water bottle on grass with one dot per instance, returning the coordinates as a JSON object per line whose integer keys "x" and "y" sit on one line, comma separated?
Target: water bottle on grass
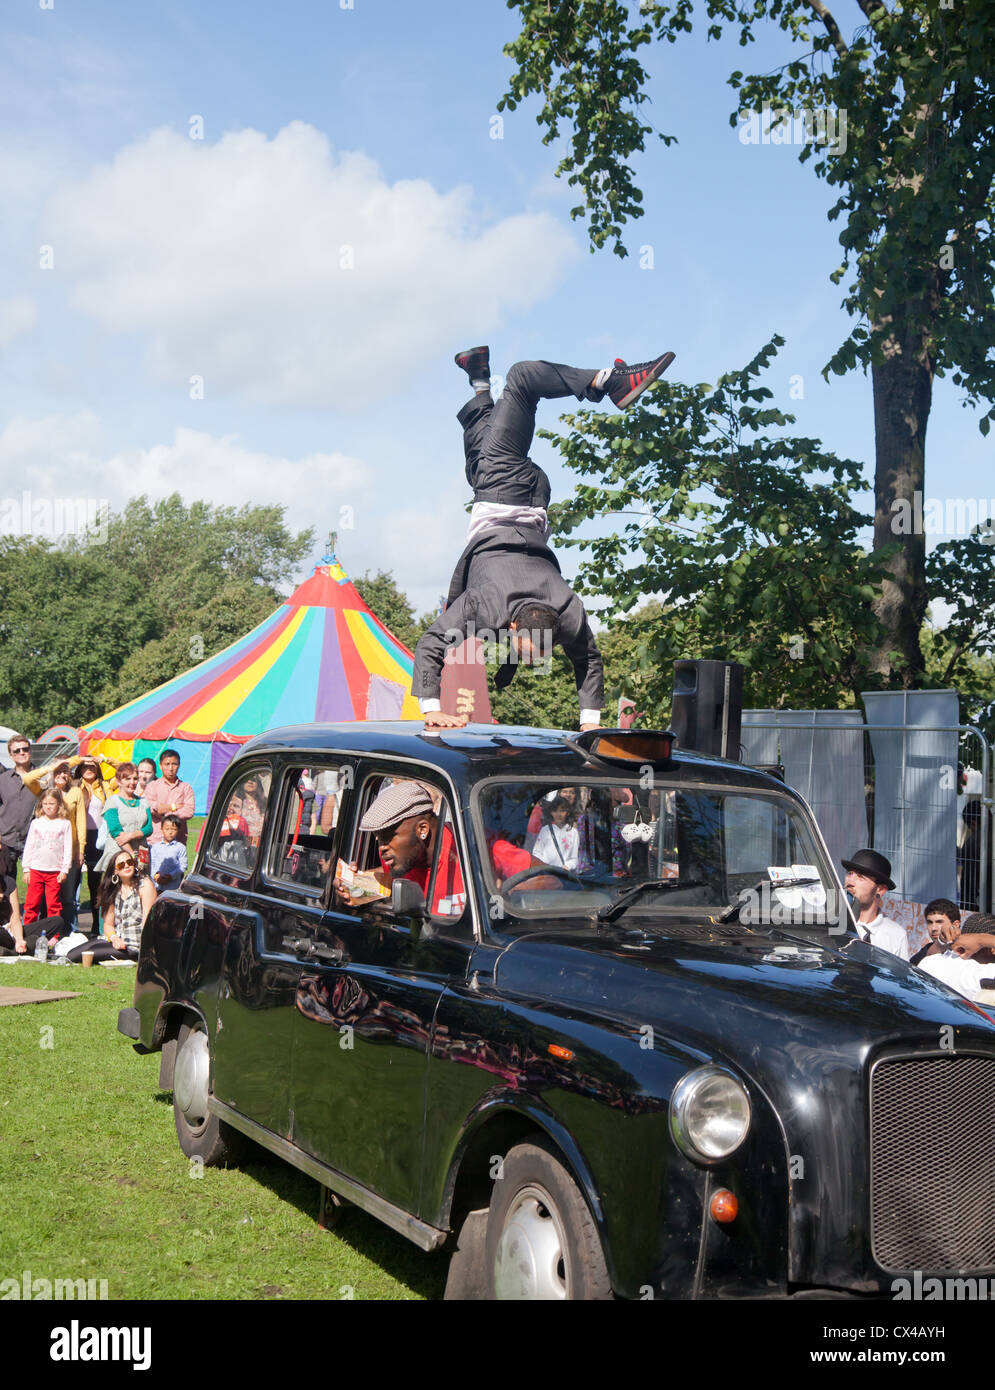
{"x": 41, "y": 948}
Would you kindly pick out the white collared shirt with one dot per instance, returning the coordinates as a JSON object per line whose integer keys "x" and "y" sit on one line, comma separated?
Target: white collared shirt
{"x": 886, "y": 935}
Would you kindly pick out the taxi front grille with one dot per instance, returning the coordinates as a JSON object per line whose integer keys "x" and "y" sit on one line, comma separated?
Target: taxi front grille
{"x": 933, "y": 1163}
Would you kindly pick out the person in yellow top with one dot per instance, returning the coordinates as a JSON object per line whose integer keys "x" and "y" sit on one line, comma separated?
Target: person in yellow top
{"x": 76, "y": 797}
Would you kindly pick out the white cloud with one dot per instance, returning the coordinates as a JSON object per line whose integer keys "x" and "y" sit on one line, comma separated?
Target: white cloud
{"x": 17, "y": 315}
{"x": 56, "y": 468}
{"x": 231, "y": 261}
{"x": 61, "y": 456}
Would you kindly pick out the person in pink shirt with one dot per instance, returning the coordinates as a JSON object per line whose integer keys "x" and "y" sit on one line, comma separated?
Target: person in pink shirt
{"x": 47, "y": 856}
{"x": 168, "y": 796}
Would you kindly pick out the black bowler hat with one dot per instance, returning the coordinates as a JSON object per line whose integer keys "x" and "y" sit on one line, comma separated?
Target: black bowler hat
{"x": 874, "y": 865}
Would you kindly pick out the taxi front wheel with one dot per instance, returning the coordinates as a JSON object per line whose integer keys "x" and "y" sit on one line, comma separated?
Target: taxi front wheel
{"x": 542, "y": 1243}
{"x": 201, "y": 1134}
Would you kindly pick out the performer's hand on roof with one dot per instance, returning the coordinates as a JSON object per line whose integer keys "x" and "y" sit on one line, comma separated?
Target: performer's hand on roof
{"x": 436, "y": 719}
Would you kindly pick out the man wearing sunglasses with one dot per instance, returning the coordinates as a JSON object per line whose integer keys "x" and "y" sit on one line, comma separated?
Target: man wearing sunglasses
{"x": 17, "y": 806}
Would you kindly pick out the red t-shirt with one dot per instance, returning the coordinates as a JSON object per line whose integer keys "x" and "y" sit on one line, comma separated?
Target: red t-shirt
{"x": 508, "y": 859}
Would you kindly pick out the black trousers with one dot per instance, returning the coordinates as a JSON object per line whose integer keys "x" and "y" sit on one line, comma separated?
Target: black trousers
{"x": 102, "y": 950}
{"x": 51, "y": 926}
{"x": 496, "y": 438}
{"x": 92, "y": 855}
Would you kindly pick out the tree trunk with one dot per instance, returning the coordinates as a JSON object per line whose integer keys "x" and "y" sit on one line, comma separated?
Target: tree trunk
{"x": 903, "y": 389}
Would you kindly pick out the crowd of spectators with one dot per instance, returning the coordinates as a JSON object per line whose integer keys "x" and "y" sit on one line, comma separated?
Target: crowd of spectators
{"x": 125, "y": 824}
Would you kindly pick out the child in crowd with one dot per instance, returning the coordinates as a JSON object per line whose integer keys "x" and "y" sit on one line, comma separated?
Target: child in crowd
{"x": 47, "y": 856}
{"x": 235, "y": 826}
{"x": 169, "y": 856}
{"x": 558, "y": 842}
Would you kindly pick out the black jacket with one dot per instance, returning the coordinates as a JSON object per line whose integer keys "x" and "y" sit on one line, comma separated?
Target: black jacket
{"x": 497, "y": 573}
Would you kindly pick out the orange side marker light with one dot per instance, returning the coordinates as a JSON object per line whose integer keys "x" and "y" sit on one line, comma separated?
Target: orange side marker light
{"x": 724, "y": 1206}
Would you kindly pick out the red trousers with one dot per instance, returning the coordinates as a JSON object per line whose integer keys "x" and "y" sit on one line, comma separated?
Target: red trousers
{"x": 41, "y": 885}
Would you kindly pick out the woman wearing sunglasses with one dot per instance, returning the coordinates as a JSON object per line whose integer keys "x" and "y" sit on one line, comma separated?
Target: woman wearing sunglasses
{"x": 125, "y": 896}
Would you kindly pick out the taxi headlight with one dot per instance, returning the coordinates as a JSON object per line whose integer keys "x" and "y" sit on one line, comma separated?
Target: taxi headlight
{"x": 709, "y": 1114}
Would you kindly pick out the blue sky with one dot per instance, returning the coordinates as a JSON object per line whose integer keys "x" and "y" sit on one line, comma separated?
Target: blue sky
{"x": 346, "y": 223}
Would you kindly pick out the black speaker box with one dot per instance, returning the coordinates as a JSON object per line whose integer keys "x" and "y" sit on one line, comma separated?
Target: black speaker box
{"x": 708, "y": 707}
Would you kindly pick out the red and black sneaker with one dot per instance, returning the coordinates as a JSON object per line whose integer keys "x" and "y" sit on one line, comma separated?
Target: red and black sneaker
{"x": 630, "y": 379}
{"x": 476, "y": 362}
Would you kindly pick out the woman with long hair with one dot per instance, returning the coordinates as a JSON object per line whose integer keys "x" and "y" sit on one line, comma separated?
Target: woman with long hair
{"x": 125, "y": 897}
{"x": 253, "y": 806}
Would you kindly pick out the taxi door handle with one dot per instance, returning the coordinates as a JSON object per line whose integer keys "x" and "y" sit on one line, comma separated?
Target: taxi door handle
{"x": 332, "y": 953}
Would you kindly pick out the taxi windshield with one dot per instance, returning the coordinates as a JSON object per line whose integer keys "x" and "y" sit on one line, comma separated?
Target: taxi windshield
{"x": 580, "y": 847}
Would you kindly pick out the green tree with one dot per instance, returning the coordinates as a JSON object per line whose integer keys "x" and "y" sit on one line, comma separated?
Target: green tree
{"x": 961, "y": 575}
{"x": 914, "y": 173}
{"x": 639, "y": 651}
{"x": 749, "y": 539}
{"x": 66, "y": 623}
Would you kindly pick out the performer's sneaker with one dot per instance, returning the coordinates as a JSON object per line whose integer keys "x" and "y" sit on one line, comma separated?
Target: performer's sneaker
{"x": 628, "y": 380}
{"x": 476, "y": 362}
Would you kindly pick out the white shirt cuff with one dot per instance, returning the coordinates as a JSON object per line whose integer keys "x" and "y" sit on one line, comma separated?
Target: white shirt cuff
{"x": 590, "y": 716}
{"x": 429, "y": 706}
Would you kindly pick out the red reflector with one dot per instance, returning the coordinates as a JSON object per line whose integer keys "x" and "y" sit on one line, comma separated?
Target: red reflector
{"x": 724, "y": 1206}
{"x": 563, "y": 1053}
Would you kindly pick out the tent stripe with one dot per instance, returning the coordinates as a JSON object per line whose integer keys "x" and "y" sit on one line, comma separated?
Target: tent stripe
{"x": 221, "y": 706}
{"x": 285, "y": 695}
{"x": 313, "y": 659}
{"x": 332, "y": 700}
{"x": 145, "y": 713}
{"x": 356, "y": 674}
{"x": 374, "y": 652}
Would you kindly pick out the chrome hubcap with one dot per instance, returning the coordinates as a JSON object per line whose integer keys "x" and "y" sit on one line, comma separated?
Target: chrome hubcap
{"x": 190, "y": 1078}
{"x": 531, "y": 1261}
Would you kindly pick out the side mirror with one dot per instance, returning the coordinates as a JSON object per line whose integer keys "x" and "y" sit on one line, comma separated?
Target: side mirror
{"x": 407, "y": 899}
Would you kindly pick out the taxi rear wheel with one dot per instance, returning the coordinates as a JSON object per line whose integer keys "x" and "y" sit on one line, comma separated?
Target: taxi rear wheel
{"x": 201, "y": 1134}
{"x": 542, "y": 1243}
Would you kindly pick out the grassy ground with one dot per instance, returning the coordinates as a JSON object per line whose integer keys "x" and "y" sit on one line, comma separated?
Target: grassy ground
{"x": 95, "y": 1185}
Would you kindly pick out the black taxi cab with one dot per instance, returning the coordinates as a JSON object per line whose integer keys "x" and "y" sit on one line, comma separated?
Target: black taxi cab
{"x": 613, "y": 1035}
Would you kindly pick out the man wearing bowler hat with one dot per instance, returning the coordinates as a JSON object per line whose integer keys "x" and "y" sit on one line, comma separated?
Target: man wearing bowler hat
{"x": 868, "y": 878}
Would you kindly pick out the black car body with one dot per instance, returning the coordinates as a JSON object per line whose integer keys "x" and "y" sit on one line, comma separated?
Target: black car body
{"x": 658, "y": 1099}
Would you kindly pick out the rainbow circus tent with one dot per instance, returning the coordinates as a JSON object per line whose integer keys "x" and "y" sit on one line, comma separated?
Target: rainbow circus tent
{"x": 321, "y": 657}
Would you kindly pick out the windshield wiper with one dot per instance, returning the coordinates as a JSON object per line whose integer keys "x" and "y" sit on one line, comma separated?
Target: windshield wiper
{"x": 624, "y": 900}
{"x": 734, "y": 908}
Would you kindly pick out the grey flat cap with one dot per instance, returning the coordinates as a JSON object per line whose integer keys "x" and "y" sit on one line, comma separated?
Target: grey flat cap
{"x": 396, "y": 803}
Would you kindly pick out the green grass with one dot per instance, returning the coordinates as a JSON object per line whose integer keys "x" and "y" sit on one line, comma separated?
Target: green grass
{"x": 95, "y": 1185}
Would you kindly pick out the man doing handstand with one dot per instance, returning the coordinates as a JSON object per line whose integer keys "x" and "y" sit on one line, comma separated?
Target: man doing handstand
{"x": 507, "y": 582}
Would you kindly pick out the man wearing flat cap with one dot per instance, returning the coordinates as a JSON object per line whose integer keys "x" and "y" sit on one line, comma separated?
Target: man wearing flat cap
{"x": 404, "y": 821}
{"x": 868, "y": 878}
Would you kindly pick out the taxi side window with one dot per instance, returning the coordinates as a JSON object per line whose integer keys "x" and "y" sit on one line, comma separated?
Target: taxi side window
{"x": 236, "y": 836}
{"x": 438, "y": 873}
{"x": 304, "y": 835}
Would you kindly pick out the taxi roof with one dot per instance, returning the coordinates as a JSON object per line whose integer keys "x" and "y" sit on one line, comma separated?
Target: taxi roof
{"x": 487, "y": 750}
